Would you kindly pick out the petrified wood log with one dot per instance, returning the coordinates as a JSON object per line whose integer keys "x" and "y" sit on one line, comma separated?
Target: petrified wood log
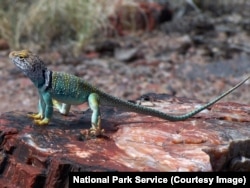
{"x": 217, "y": 139}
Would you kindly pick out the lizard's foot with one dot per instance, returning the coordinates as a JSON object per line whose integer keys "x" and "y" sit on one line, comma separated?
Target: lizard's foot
{"x": 45, "y": 121}
{"x": 92, "y": 133}
{"x": 35, "y": 116}
{"x": 95, "y": 131}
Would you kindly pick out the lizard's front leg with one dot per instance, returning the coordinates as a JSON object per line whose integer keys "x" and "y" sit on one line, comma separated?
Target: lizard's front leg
{"x": 94, "y": 103}
{"x": 45, "y": 109}
{"x": 63, "y": 108}
{"x": 41, "y": 107}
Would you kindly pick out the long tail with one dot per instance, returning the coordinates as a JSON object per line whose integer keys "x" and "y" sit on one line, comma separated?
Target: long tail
{"x": 128, "y": 106}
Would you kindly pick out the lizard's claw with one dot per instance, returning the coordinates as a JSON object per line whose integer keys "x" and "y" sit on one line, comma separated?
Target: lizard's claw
{"x": 45, "y": 121}
{"x": 35, "y": 116}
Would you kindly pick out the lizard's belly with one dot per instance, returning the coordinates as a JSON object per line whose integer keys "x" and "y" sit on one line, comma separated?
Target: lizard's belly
{"x": 70, "y": 98}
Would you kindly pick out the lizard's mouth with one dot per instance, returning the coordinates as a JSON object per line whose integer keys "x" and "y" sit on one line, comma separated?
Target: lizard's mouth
{"x": 16, "y": 62}
{"x": 19, "y": 63}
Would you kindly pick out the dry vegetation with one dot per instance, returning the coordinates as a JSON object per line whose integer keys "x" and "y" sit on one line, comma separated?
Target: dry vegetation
{"x": 46, "y": 24}
{"x": 42, "y": 25}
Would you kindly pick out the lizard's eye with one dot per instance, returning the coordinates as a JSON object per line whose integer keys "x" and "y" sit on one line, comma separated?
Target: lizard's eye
{"x": 21, "y": 58}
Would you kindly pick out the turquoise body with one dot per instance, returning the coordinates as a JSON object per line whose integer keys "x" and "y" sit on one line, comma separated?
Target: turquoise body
{"x": 65, "y": 90}
{"x": 69, "y": 89}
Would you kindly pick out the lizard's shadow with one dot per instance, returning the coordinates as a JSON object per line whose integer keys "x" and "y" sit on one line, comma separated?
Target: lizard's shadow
{"x": 82, "y": 120}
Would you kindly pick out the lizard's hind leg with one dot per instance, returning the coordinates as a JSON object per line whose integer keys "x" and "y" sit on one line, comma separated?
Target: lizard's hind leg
{"x": 94, "y": 103}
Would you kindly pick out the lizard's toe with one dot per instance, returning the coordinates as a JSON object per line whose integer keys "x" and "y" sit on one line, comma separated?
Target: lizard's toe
{"x": 35, "y": 116}
{"x": 91, "y": 133}
{"x": 45, "y": 121}
{"x": 95, "y": 131}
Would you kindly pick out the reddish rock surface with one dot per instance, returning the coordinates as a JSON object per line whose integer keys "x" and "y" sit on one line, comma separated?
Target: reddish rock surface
{"x": 217, "y": 139}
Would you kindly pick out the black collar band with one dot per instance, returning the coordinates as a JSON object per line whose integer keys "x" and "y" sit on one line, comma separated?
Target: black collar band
{"x": 47, "y": 79}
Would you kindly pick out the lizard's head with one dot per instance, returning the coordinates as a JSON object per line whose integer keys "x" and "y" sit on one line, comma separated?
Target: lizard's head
{"x": 30, "y": 64}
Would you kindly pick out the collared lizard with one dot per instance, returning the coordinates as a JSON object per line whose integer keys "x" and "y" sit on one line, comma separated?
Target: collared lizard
{"x": 62, "y": 90}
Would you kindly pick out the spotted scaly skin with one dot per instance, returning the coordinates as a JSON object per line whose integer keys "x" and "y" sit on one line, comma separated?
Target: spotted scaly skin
{"x": 62, "y": 90}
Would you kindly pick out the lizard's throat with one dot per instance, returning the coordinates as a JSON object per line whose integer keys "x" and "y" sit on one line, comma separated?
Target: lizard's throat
{"x": 43, "y": 80}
